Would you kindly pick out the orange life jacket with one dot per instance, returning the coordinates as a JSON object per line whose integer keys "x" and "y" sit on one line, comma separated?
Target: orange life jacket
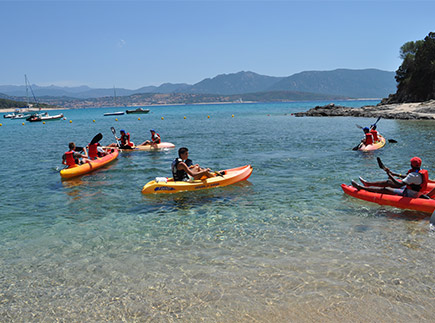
{"x": 375, "y": 135}
{"x": 156, "y": 138}
{"x": 93, "y": 152}
{"x": 69, "y": 158}
{"x": 425, "y": 179}
{"x": 369, "y": 139}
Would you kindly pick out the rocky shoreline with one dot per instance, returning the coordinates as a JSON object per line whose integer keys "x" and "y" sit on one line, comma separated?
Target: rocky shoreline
{"x": 403, "y": 111}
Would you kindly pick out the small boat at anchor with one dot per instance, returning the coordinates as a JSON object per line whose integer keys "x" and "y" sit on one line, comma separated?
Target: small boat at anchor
{"x": 44, "y": 117}
{"x": 137, "y": 111}
{"x": 119, "y": 113}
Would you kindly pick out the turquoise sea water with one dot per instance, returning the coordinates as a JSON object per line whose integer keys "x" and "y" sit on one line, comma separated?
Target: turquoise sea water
{"x": 286, "y": 245}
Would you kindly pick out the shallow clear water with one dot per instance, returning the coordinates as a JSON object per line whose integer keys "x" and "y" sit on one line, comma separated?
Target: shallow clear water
{"x": 286, "y": 245}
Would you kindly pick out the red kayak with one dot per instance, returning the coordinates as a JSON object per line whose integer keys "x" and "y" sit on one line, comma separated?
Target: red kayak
{"x": 417, "y": 204}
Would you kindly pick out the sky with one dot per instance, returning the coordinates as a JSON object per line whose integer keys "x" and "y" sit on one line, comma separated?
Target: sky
{"x": 131, "y": 44}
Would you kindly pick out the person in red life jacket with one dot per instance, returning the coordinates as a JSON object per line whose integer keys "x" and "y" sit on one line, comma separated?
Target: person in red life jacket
{"x": 155, "y": 139}
{"x": 368, "y": 139}
{"x": 413, "y": 184}
{"x": 374, "y": 133}
{"x": 95, "y": 150}
{"x": 124, "y": 139}
{"x": 72, "y": 157}
{"x": 182, "y": 167}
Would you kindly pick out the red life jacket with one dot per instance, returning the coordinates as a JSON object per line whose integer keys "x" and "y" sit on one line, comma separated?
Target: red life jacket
{"x": 125, "y": 140}
{"x": 156, "y": 138}
{"x": 425, "y": 179}
{"x": 69, "y": 158}
{"x": 93, "y": 152}
{"x": 375, "y": 135}
{"x": 369, "y": 139}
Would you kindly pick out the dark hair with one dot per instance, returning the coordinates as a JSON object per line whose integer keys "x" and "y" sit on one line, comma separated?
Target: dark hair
{"x": 71, "y": 145}
{"x": 182, "y": 151}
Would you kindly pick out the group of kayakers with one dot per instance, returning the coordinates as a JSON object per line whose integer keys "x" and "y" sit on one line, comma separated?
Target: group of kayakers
{"x": 79, "y": 155}
{"x": 413, "y": 184}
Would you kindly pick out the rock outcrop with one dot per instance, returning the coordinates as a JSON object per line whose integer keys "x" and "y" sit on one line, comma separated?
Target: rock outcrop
{"x": 403, "y": 111}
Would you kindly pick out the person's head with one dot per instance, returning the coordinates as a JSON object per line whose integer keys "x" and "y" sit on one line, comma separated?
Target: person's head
{"x": 183, "y": 152}
{"x": 122, "y": 132}
{"x": 152, "y": 131}
{"x": 373, "y": 127}
{"x": 365, "y": 129}
{"x": 415, "y": 162}
{"x": 71, "y": 146}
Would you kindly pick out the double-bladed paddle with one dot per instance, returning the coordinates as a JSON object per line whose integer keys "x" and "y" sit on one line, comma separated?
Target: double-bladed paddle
{"x": 114, "y": 133}
{"x": 96, "y": 139}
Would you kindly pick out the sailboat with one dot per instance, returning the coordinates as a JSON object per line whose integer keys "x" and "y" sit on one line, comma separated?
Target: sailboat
{"x": 23, "y": 112}
{"x": 119, "y": 113}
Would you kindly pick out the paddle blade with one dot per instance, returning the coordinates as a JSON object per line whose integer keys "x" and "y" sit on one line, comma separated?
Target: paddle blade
{"x": 392, "y": 141}
{"x": 358, "y": 126}
{"x": 96, "y": 139}
{"x": 113, "y": 130}
{"x": 432, "y": 222}
{"x": 380, "y": 163}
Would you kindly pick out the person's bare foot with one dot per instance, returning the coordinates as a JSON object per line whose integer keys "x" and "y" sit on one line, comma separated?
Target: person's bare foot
{"x": 356, "y": 185}
{"x": 362, "y": 180}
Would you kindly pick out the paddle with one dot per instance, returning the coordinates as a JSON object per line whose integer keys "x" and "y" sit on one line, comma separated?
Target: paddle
{"x": 96, "y": 139}
{"x": 114, "y": 133}
{"x": 432, "y": 221}
{"x": 381, "y": 164}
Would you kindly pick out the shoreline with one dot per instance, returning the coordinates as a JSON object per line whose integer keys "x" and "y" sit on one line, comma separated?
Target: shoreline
{"x": 402, "y": 111}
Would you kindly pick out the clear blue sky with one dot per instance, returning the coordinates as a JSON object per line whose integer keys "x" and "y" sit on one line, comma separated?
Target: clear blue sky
{"x": 131, "y": 44}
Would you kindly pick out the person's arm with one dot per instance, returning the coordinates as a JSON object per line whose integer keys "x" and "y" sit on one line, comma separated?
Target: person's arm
{"x": 396, "y": 182}
{"x": 64, "y": 159}
{"x": 191, "y": 172}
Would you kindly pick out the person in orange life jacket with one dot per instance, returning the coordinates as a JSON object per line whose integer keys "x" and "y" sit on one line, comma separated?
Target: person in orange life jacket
{"x": 368, "y": 139}
{"x": 72, "y": 157}
{"x": 96, "y": 151}
{"x": 374, "y": 133}
{"x": 413, "y": 184}
{"x": 125, "y": 141}
{"x": 181, "y": 171}
{"x": 155, "y": 139}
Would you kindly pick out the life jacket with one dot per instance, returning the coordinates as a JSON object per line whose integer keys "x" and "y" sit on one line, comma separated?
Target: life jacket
{"x": 425, "y": 179}
{"x": 93, "y": 152}
{"x": 125, "y": 140}
{"x": 375, "y": 135}
{"x": 156, "y": 138}
{"x": 69, "y": 158}
{"x": 177, "y": 174}
{"x": 369, "y": 139}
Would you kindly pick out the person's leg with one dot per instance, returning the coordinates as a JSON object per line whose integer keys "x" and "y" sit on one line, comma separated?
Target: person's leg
{"x": 387, "y": 183}
{"x": 381, "y": 190}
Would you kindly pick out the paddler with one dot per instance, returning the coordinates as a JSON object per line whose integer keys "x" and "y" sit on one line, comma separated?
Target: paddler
{"x": 374, "y": 133}
{"x": 413, "y": 184}
{"x": 368, "y": 139}
{"x": 155, "y": 139}
{"x": 72, "y": 157}
{"x": 181, "y": 171}
{"x": 95, "y": 151}
{"x": 124, "y": 139}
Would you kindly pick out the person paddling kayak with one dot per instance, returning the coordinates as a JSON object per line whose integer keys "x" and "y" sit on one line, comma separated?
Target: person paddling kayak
{"x": 374, "y": 133}
{"x": 368, "y": 139}
{"x": 413, "y": 184}
{"x": 124, "y": 139}
{"x": 155, "y": 139}
{"x": 181, "y": 171}
{"x": 72, "y": 157}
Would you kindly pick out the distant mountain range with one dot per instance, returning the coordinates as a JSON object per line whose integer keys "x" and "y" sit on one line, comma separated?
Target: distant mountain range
{"x": 367, "y": 83}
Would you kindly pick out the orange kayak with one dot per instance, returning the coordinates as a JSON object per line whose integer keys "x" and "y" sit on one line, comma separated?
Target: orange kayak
{"x": 89, "y": 167}
{"x": 417, "y": 204}
{"x": 231, "y": 176}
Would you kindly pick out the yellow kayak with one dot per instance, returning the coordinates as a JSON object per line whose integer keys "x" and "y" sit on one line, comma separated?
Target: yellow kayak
{"x": 89, "y": 167}
{"x": 231, "y": 176}
{"x": 375, "y": 146}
